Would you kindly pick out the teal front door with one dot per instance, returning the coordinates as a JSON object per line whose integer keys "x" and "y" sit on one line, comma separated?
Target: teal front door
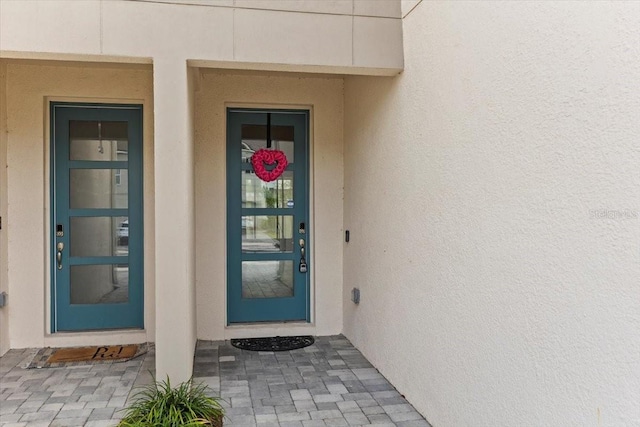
{"x": 96, "y": 221}
{"x": 267, "y": 216}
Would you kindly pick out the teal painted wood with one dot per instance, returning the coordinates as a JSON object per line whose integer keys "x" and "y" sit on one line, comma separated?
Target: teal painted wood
{"x": 89, "y": 164}
{"x": 239, "y": 309}
{"x": 98, "y": 212}
{"x": 75, "y": 317}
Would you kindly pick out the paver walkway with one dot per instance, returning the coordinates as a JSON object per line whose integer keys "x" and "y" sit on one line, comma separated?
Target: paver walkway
{"x": 71, "y": 396}
{"x": 327, "y": 384}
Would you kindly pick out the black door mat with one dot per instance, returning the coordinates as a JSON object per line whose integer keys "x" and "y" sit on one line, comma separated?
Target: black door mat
{"x": 273, "y": 343}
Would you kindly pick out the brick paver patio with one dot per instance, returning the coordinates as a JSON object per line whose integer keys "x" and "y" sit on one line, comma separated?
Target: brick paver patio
{"x": 327, "y": 384}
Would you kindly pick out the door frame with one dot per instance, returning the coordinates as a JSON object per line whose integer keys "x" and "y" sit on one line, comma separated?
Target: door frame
{"x": 310, "y": 240}
{"x": 50, "y": 210}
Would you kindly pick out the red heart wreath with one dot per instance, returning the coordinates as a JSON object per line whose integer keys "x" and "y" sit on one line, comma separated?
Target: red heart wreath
{"x": 264, "y": 157}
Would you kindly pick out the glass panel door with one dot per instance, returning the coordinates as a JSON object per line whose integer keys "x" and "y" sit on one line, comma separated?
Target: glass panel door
{"x": 97, "y": 217}
{"x": 267, "y": 238}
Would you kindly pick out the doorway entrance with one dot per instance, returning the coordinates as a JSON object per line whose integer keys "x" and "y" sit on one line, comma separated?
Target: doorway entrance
{"x": 96, "y": 221}
{"x": 267, "y": 215}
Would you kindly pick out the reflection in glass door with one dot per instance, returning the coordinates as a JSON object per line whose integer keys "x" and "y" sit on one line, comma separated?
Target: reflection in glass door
{"x": 97, "y": 217}
{"x": 267, "y": 236}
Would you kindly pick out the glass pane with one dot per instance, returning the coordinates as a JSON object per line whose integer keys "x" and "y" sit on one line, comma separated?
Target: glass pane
{"x": 99, "y": 188}
{"x": 99, "y": 284}
{"x": 99, "y": 236}
{"x": 98, "y": 141}
{"x": 267, "y": 233}
{"x": 254, "y": 137}
{"x": 259, "y": 194}
{"x": 267, "y": 279}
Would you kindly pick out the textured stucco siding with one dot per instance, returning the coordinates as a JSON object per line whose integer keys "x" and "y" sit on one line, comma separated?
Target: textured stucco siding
{"x": 30, "y": 88}
{"x": 493, "y": 197}
{"x": 4, "y": 312}
{"x": 345, "y": 36}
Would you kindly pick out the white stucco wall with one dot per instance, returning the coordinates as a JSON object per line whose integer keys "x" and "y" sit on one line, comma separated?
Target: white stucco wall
{"x": 493, "y": 196}
{"x": 175, "y": 219}
{"x": 357, "y": 36}
{"x": 30, "y": 85}
{"x": 324, "y": 96}
{"x": 4, "y": 312}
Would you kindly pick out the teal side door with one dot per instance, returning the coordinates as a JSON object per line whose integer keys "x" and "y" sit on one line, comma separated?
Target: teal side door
{"x": 268, "y": 264}
{"x": 96, "y": 224}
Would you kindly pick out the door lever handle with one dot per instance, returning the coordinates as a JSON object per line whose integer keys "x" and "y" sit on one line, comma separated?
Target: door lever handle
{"x": 301, "y": 243}
{"x": 302, "y": 267}
{"x": 60, "y": 248}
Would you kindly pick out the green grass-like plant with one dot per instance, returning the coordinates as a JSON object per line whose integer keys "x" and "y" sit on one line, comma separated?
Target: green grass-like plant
{"x": 160, "y": 405}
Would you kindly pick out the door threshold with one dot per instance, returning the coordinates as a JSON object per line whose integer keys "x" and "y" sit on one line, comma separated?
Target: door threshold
{"x": 89, "y": 338}
{"x": 271, "y": 323}
{"x": 270, "y": 329}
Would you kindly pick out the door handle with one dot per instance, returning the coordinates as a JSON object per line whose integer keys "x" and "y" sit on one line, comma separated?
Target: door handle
{"x": 60, "y": 248}
{"x": 301, "y": 243}
{"x": 302, "y": 267}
